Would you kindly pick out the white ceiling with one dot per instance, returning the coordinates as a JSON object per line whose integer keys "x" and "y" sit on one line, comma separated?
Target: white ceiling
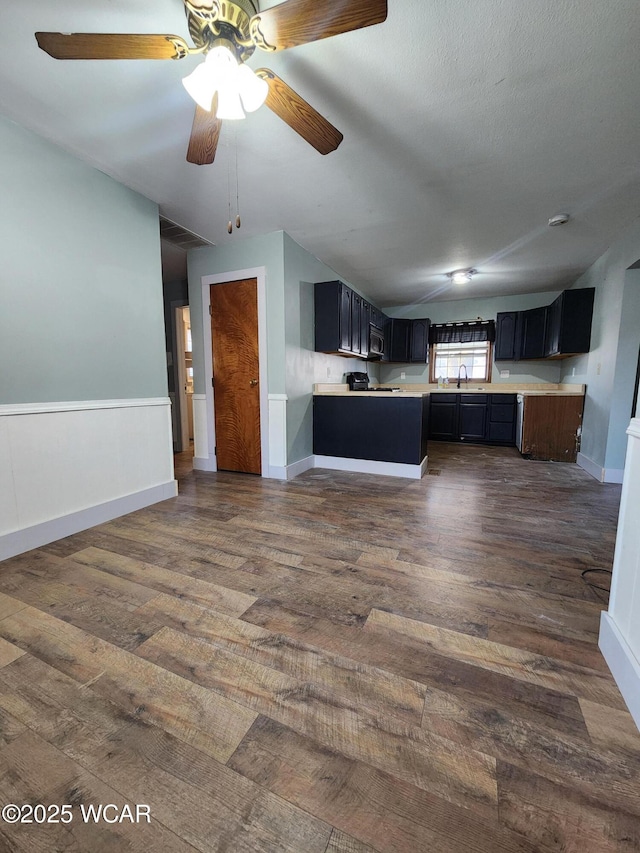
{"x": 466, "y": 126}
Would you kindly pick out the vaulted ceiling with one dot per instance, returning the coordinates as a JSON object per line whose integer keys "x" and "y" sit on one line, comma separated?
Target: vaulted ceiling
{"x": 466, "y": 126}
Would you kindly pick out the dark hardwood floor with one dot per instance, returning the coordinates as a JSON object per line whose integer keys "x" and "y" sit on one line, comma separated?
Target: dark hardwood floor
{"x": 338, "y": 664}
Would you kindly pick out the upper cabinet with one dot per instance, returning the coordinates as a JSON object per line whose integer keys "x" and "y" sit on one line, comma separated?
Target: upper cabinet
{"x": 507, "y": 346}
{"x": 407, "y": 341}
{"x": 568, "y": 327}
{"x": 532, "y": 335}
{"x": 342, "y": 320}
{"x": 559, "y": 330}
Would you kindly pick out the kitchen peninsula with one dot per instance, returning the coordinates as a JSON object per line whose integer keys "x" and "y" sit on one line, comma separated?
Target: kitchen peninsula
{"x": 386, "y": 431}
{"x": 373, "y": 432}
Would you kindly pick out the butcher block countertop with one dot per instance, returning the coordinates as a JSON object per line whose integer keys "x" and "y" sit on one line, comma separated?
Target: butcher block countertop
{"x": 549, "y": 389}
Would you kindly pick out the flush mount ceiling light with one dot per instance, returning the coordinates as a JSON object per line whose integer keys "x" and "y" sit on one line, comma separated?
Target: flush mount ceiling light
{"x": 559, "y": 219}
{"x": 461, "y": 276}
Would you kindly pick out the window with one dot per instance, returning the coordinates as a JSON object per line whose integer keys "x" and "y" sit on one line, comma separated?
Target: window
{"x": 446, "y": 359}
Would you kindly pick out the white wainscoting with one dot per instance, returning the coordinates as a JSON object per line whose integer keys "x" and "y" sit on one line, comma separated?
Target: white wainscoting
{"x": 68, "y": 466}
{"x": 620, "y": 626}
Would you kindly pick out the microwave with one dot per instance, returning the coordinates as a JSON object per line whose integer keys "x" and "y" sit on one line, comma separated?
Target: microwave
{"x": 376, "y": 342}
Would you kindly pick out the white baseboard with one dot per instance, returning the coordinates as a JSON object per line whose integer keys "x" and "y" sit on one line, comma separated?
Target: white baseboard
{"x": 371, "y": 466}
{"x": 602, "y": 475}
{"x": 57, "y": 528}
{"x": 300, "y": 467}
{"x": 204, "y": 463}
{"x": 624, "y": 666}
{"x": 591, "y": 467}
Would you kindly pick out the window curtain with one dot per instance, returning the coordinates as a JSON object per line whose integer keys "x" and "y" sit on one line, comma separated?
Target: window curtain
{"x": 462, "y": 333}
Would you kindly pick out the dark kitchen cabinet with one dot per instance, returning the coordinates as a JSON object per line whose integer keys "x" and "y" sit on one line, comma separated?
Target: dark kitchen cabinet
{"x": 365, "y": 320}
{"x": 507, "y": 347}
{"x": 559, "y": 330}
{"x": 533, "y": 330}
{"x": 568, "y": 326}
{"x": 419, "y": 353}
{"x": 443, "y": 417}
{"x": 501, "y": 419}
{"x": 408, "y": 340}
{"x": 356, "y": 320}
{"x": 472, "y": 418}
{"x": 399, "y": 340}
{"x": 342, "y": 319}
{"x": 479, "y": 418}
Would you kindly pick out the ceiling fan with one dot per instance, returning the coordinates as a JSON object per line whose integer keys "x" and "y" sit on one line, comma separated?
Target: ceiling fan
{"x": 227, "y": 32}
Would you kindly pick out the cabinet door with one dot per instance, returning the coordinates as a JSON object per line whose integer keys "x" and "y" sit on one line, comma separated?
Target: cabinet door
{"x": 365, "y": 319}
{"x": 501, "y": 421}
{"x": 400, "y": 339}
{"x": 533, "y": 329}
{"x": 507, "y": 328}
{"x": 473, "y": 420}
{"x": 345, "y": 318}
{"x": 575, "y": 321}
{"x": 552, "y": 331}
{"x": 443, "y": 417}
{"x": 356, "y": 312}
{"x": 419, "y": 341}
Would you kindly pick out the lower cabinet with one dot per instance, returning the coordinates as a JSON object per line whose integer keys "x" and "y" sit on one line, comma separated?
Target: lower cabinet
{"x": 551, "y": 428}
{"x": 476, "y": 418}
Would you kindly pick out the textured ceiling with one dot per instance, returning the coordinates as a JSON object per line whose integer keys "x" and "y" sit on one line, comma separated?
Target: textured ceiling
{"x": 466, "y": 126}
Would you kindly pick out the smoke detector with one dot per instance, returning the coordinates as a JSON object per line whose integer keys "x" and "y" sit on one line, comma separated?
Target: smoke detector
{"x": 559, "y": 219}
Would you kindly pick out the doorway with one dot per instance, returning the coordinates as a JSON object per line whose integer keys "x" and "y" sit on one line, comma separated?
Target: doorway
{"x": 184, "y": 383}
{"x": 236, "y": 375}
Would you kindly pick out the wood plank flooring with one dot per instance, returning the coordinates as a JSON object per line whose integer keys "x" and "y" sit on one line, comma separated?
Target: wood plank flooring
{"x": 338, "y": 664}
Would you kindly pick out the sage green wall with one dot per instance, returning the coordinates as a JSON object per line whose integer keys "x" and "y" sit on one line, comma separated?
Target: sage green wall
{"x": 469, "y": 309}
{"x": 239, "y": 254}
{"x": 603, "y": 440}
{"x": 304, "y": 366}
{"x": 625, "y": 374}
{"x": 80, "y": 280}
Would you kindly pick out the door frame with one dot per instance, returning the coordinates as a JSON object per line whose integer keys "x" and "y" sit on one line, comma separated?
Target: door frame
{"x": 181, "y": 370}
{"x": 259, "y": 273}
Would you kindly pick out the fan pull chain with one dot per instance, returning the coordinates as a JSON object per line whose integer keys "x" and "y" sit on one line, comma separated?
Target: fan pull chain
{"x": 229, "y": 223}
{"x": 238, "y": 221}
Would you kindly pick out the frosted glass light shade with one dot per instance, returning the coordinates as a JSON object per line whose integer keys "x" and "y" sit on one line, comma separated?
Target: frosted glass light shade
{"x": 200, "y": 86}
{"x": 229, "y": 106}
{"x": 253, "y": 90}
{"x": 237, "y": 86}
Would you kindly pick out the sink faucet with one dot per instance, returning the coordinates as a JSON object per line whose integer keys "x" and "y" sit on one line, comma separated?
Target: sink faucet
{"x": 466, "y": 376}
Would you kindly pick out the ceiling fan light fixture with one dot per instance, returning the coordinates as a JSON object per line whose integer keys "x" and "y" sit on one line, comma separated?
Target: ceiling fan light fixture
{"x": 237, "y": 85}
{"x": 461, "y": 276}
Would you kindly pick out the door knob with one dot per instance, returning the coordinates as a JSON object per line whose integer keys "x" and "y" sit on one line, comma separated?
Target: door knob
{"x": 253, "y": 382}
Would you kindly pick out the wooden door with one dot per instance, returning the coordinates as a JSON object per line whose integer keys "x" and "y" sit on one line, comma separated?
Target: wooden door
{"x": 234, "y": 340}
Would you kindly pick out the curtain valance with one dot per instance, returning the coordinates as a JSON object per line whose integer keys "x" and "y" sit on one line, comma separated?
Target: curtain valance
{"x": 462, "y": 333}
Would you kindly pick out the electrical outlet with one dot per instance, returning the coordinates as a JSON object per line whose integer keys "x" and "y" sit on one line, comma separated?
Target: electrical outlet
{"x": 403, "y": 375}
{"x": 598, "y": 368}
{"x": 328, "y": 372}
{"x": 504, "y": 374}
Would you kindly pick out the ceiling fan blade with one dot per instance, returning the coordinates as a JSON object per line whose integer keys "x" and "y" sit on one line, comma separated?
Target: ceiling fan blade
{"x": 111, "y": 46}
{"x": 301, "y": 21}
{"x": 300, "y": 115}
{"x": 204, "y": 136}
